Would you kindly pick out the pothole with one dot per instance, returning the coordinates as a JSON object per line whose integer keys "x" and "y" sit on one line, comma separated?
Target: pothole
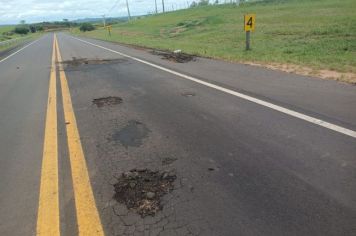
{"x": 213, "y": 168}
{"x": 188, "y": 94}
{"x": 132, "y": 134}
{"x": 142, "y": 190}
{"x": 84, "y": 61}
{"x": 107, "y": 101}
{"x": 168, "y": 160}
{"x": 175, "y": 57}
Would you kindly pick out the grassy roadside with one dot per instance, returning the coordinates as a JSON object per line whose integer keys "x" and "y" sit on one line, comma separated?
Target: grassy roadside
{"x": 306, "y": 36}
{"x": 19, "y": 38}
{"x": 8, "y": 28}
{"x": 20, "y": 41}
{"x": 5, "y": 29}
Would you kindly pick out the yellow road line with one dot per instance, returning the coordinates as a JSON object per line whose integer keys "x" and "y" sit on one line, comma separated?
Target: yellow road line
{"x": 48, "y": 209}
{"x": 87, "y": 214}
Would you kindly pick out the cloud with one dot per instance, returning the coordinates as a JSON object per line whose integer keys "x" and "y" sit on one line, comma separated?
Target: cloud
{"x": 12, "y": 11}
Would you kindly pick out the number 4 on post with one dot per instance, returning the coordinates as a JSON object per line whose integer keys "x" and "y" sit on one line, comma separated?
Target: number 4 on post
{"x": 249, "y": 25}
{"x": 250, "y": 20}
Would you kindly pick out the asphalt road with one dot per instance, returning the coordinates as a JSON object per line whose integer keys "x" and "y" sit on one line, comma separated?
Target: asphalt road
{"x": 283, "y": 164}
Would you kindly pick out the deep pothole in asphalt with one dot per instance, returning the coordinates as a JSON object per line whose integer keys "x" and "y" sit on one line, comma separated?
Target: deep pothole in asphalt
{"x": 132, "y": 135}
{"x": 142, "y": 190}
{"x": 107, "y": 101}
{"x": 85, "y": 61}
{"x": 179, "y": 57}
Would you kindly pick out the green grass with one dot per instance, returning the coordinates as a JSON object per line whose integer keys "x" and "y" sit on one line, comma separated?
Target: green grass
{"x": 4, "y": 29}
{"x": 9, "y": 28}
{"x": 320, "y": 34}
{"x": 22, "y": 39}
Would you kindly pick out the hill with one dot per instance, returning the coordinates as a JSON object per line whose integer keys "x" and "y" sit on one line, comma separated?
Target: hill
{"x": 297, "y": 35}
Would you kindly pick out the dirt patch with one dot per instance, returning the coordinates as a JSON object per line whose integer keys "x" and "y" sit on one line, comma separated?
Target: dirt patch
{"x": 142, "y": 190}
{"x": 84, "y": 61}
{"x": 129, "y": 33}
{"x": 132, "y": 134}
{"x": 176, "y": 31}
{"x": 107, "y": 101}
{"x": 344, "y": 77}
{"x": 307, "y": 71}
{"x": 179, "y": 57}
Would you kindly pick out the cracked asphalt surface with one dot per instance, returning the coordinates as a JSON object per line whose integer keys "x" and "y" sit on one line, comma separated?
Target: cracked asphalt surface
{"x": 242, "y": 169}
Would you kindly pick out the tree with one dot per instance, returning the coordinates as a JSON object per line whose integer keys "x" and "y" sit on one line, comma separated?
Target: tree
{"x": 22, "y": 22}
{"x": 203, "y": 3}
{"x": 86, "y": 27}
{"x": 21, "y": 30}
{"x": 33, "y": 29}
{"x": 193, "y": 4}
{"x": 66, "y": 22}
{"x": 39, "y": 28}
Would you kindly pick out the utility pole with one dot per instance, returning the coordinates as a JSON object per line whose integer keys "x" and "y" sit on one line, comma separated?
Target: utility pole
{"x": 128, "y": 9}
{"x": 156, "y": 6}
{"x": 163, "y": 5}
{"x": 104, "y": 21}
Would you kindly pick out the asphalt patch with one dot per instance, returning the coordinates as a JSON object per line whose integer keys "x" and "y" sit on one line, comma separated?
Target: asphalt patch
{"x": 107, "y": 101}
{"x": 175, "y": 57}
{"x": 132, "y": 135}
{"x": 84, "y": 61}
{"x": 142, "y": 190}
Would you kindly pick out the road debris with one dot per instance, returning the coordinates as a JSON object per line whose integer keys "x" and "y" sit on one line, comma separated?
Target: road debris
{"x": 142, "y": 190}
{"x": 107, "y": 101}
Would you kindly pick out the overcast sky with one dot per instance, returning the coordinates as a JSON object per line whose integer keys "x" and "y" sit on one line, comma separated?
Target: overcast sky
{"x": 13, "y": 11}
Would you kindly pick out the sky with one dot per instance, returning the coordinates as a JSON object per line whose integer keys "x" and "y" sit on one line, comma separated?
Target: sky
{"x": 13, "y": 11}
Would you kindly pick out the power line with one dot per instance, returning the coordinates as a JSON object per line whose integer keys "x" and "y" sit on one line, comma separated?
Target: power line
{"x": 127, "y": 6}
{"x": 128, "y": 9}
{"x": 104, "y": 20}
{"x": 117, "y": 1}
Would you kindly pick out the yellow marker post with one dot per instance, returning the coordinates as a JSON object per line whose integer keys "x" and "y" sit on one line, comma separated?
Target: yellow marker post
{"x": 249, "y": 25}
{"x": 109, "y": 29}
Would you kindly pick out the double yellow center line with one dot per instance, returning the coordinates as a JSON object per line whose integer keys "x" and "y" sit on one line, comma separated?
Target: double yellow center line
{"x": 48, "y": 211}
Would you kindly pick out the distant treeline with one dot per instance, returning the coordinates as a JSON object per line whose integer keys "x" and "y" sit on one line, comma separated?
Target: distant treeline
{"x": 40, "y": 27}
{"x": 85, "y": 24}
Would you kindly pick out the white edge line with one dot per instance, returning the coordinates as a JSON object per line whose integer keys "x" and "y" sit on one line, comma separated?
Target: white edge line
{"x": 301, "y": 116}
{"x": 4, "y": 59}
